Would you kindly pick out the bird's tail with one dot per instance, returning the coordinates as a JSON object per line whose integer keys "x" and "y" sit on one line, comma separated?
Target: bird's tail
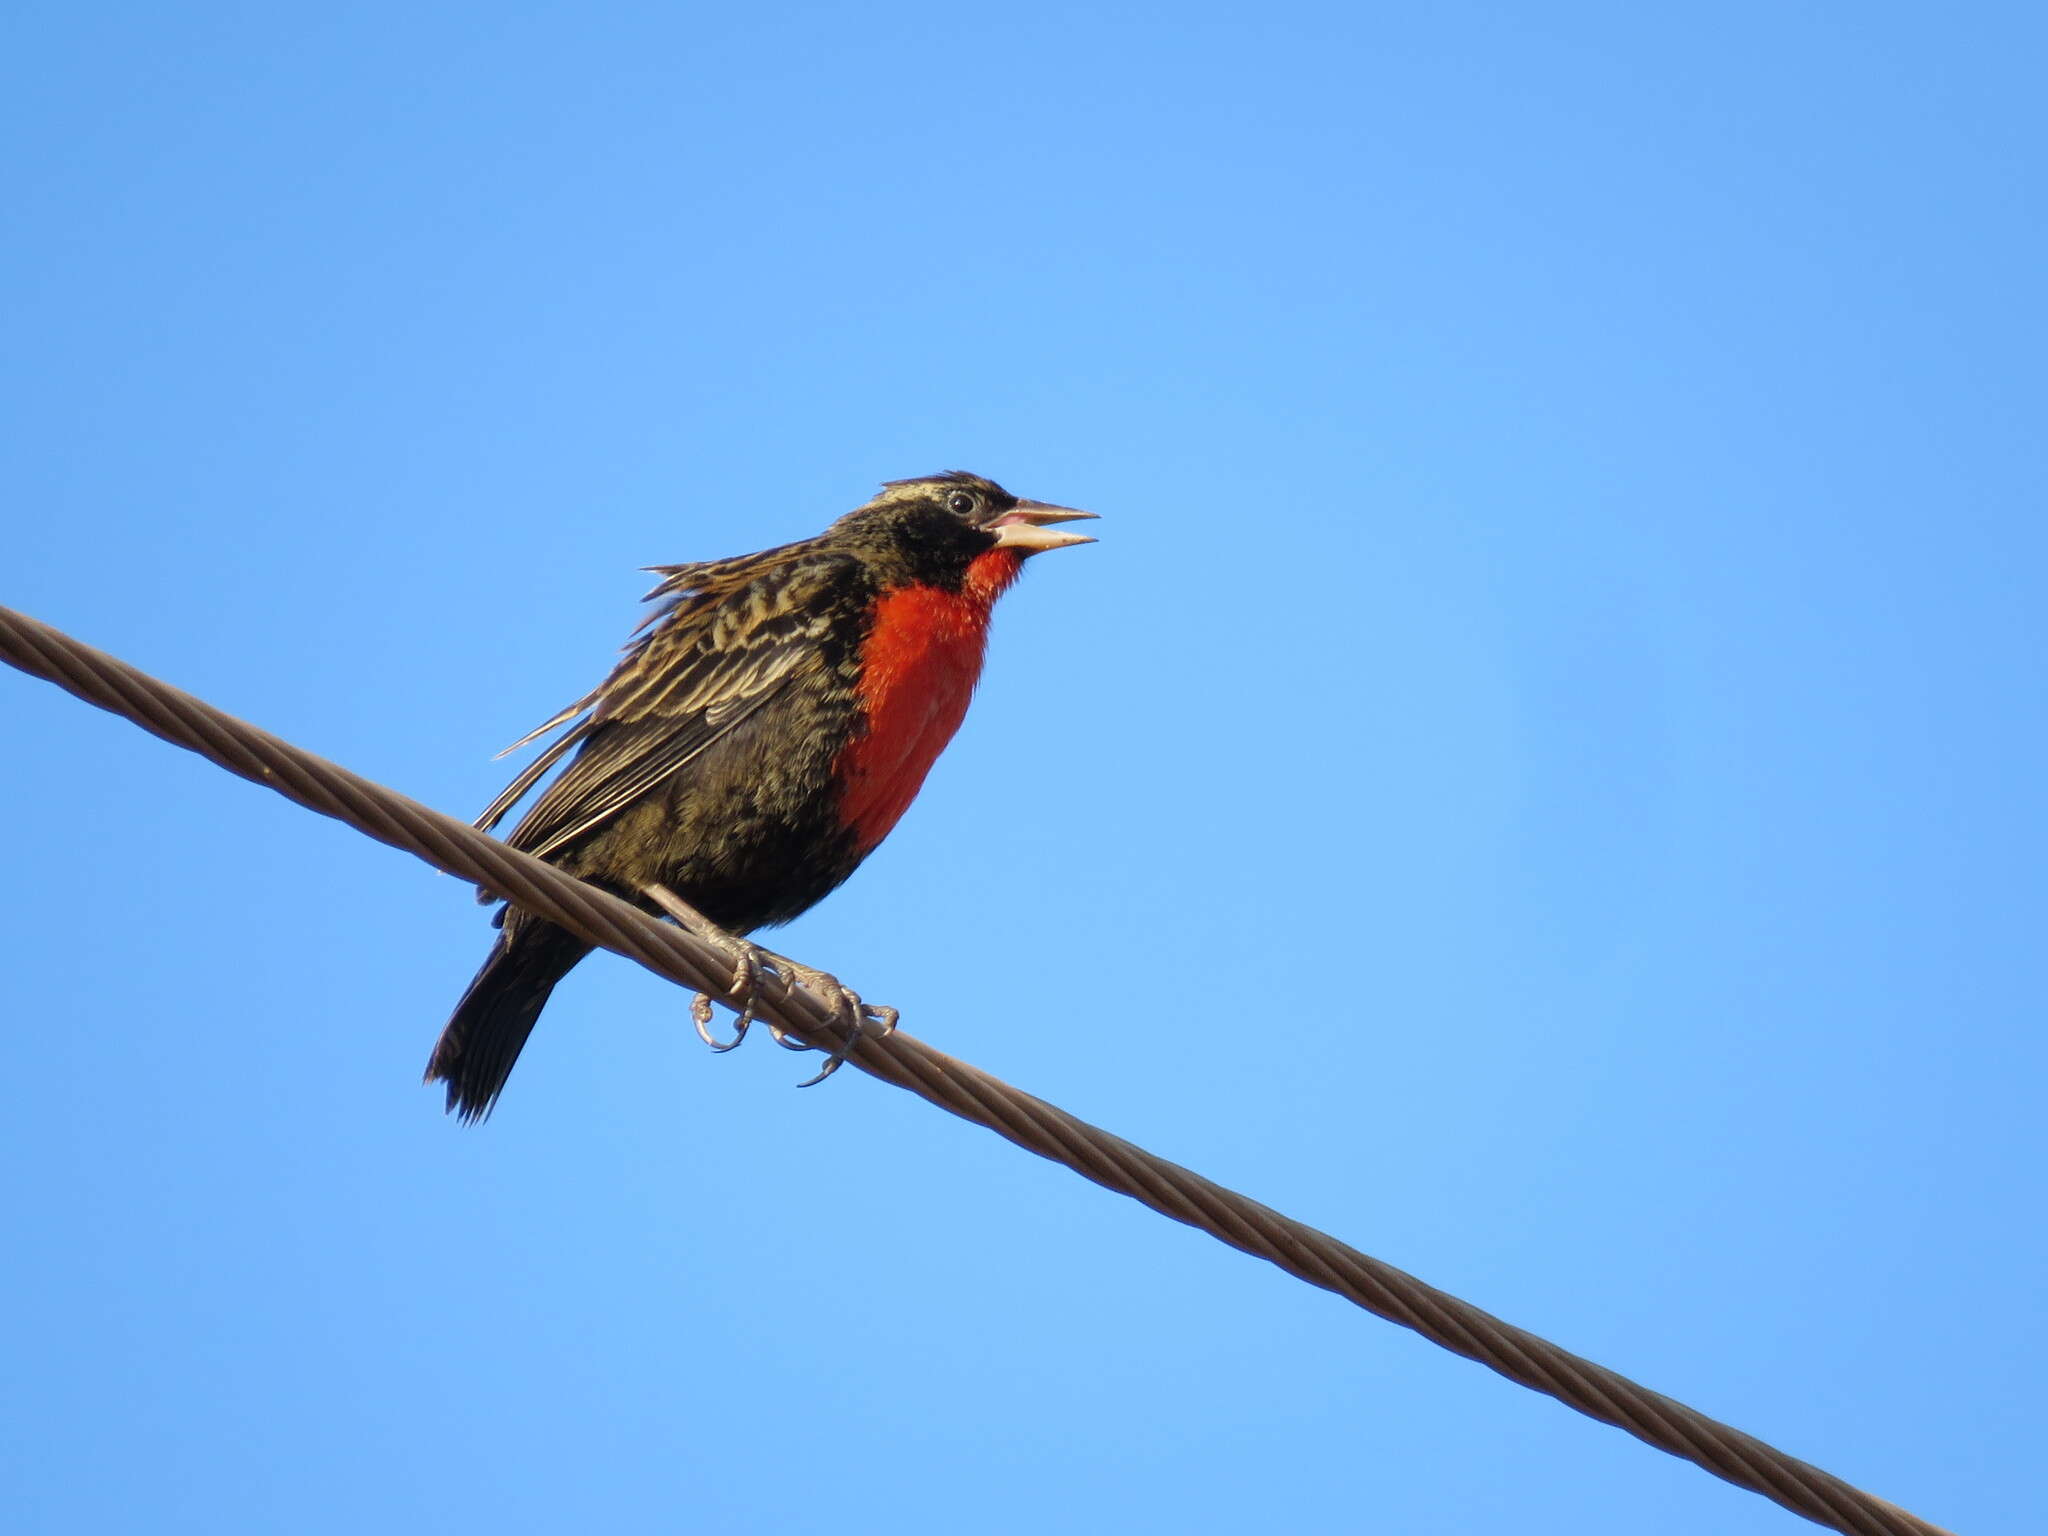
{"x": 475, "y": 1053}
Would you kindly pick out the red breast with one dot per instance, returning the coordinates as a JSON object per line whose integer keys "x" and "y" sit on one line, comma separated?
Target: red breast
{"x": 918, "y": 670}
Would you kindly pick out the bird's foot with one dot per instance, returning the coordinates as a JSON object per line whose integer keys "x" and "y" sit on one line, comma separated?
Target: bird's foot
{"x": 849, "y": 1012}
{"x": 750, "y": 961}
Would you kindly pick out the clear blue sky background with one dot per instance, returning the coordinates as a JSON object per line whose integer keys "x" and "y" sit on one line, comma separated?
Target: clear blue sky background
{"x": 1542, "y": 776}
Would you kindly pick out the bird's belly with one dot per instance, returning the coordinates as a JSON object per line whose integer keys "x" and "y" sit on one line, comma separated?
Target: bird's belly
{"x": 918, "y": 671}
{"x": 750, "y": 833}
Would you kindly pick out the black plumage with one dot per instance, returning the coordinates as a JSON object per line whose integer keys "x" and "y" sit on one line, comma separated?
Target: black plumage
{"x": 710, "y": 760}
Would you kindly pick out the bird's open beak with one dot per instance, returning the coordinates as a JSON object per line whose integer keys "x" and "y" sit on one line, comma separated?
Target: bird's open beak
{"x": 1026, "y": 527}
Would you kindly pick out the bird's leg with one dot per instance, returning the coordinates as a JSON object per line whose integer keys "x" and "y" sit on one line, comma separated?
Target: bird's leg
{"x": 746, "y": 968}
{"x": 748, "y": 958}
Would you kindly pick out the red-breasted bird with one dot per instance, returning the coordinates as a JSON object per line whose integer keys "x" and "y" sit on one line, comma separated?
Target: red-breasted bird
{"x": 759, "y": 739}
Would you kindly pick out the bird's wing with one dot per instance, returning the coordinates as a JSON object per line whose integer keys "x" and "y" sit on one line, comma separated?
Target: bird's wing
{"x": 712, "y": 660}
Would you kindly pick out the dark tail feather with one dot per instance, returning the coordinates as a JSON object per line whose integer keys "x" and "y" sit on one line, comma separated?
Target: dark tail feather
{"x": 475, "y": 1053}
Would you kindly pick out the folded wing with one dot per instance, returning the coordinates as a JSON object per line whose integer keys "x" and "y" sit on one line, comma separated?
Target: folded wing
{"x": 728, "y": 645}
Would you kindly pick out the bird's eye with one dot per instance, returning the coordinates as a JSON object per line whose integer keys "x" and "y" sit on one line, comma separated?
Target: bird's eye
{"x": 960, "y": 502}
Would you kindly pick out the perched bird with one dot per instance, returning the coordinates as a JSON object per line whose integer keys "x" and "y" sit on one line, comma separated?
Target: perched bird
{"x": 770, "y": 723}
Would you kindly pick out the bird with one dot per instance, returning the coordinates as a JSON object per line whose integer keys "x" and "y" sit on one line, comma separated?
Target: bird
{"x": 765, "y": 728}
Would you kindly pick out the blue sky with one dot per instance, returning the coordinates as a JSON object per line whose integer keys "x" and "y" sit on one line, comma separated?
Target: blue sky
{"x": 1542, "y": 776}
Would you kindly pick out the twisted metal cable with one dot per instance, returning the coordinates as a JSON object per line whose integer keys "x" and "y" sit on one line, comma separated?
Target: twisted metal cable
{"x": 906, "y": 1062}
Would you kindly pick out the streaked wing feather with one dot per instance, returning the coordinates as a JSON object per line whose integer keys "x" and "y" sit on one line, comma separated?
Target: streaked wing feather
{"x": 531, "y": 775}
{"x": 563, "y": 717}
{"x": 717, "y": 655}
{"x": 627, "y": 758}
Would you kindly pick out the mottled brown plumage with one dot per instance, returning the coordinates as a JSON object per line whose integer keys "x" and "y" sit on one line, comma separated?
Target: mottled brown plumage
{"x": 757, "y": 739}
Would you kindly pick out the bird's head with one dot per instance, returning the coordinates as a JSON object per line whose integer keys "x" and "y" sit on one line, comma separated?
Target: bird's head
{"x": 937, "y": 529}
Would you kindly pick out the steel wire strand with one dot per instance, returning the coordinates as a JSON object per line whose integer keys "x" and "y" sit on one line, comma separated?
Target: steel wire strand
{"x": 903, "y": 1061}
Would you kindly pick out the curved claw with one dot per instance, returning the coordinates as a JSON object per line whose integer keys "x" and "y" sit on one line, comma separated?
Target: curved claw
{"x": 700, "y": 1015}
{"x": 744, "y": 1017}
{"x": 782, "y": 1039}
{"x": 853, "y": 1014}
{"x": 837, "y": 1060}
{"x": 746, "y": 986}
